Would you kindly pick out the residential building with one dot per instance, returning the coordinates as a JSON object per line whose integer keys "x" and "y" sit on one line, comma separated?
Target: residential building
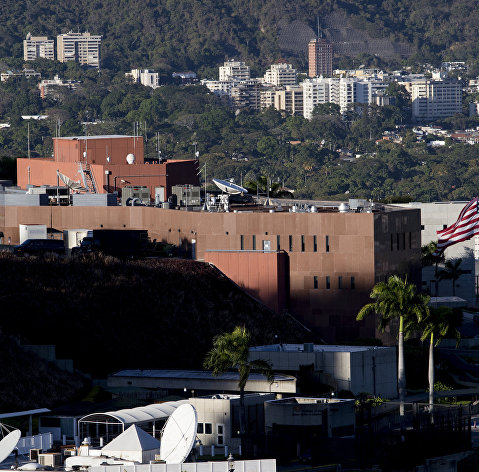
{"x": 320, "y": 58}
{"x": 47, "y": 86}
{"x": 27, "y": 73}
{"x": 247, "y": 94}
{"x": 35, "y": 47}
{"x": 280, "y": 74}
{"x": 83, "y": 48}
{"x": 146, "y": 77}
{"x": 219, "y": 87}
{"x": 289, "y": 100}
{"x": 435, "y": 99}
{"x": 234, "y": 70}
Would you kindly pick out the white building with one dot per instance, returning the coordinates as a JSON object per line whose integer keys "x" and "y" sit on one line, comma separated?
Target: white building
{"x": 219, "y": 87}
{"x": 146, "y": 77}
{"x": 435, "y": 99}
{"x": 83, "y": 48}
{"x": 35, "y": 47}
{"x": 280, "y": 74}
{"x": 234, "y": 70}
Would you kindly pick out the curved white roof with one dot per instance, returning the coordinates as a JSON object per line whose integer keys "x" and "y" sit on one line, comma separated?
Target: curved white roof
{"x": 141, "y": 414}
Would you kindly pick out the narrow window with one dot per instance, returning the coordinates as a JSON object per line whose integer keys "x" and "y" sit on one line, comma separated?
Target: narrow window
{"x": 444, "y": 226}
{"x": 242, "y": 242}
{"x": 199, "y": 428}
{"x": 327, "y": 243}
{"x": 254, "y": 242}
{"x": 392, "y": 243}
{"x": 397, "y": 241}
{"x": 278, "y": 242}
{"x": 353, "y": 283}
{"x": 340, "y": 282}
{"x": 302, "y": 243}
{"x": 404, "y": 240}
{"x": 410, "y": 240}
{"x": 208, "y": 428}
{"x": 315, "y": 244}
{"x": 315, "y": 281}
{"x": 290, "y": 243}
{"x": 422, "y": 227}
{"x": 328, "y": 282}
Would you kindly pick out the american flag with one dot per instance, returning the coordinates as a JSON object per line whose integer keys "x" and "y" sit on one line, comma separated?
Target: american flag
{"x": 466, "y": 226}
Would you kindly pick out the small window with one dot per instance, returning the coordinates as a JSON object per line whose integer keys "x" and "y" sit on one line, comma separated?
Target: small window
{"x": 422, "y": 227}
{"x": 404, "y": 240}
{"x": 220, "y": 429}
{"x": 315, "y": 244}
{"x": 278, "y": 243}
{"x": 327, "y": 243}
{"x": 290, "y": 243}
{"x": 315, "y": 282}
{"x": 242, "y": 242}
{"x": 397, "y": 241}
{"x": 200, "y": 429}
{"x": 340, "y": 282}
{"x": 353, "y": 283}
{"x": 208, "y": 428}
{"x": 392, "y": 243}
{"x": 328, "y": 282}
{"x": 254, "y": 242}
{"x": 302, "y": 243}
{"x": 444, "y": 226}
{"x": 410, "y": 240}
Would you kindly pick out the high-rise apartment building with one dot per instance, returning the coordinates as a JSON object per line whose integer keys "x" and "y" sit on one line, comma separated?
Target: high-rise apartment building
{"x": 320, "y": 58}
{"x": 435, "y": 99}
{"x": 281, "y": 74}
{"x": 234, "y": 70}
{"x": 35, "y": 47}
{"x": 83, "y": 48}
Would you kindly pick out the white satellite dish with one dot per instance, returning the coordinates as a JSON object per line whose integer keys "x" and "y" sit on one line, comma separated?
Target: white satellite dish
{"x": 229, "y": 187}
{"x": 8, "y": 443}
{"x": 179, "y": 435}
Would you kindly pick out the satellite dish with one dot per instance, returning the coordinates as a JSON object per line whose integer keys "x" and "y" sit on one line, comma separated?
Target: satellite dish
{"x": 130, "y": 158}
{"x": 179, "y": 435}
{"x": 8, "y": 443}
{"x": 229, "y": 187}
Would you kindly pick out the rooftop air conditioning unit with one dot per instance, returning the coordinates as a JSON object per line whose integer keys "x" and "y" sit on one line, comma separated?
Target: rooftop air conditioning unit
{"x": 51, "y": 459}
{"x": 34, "y": 453}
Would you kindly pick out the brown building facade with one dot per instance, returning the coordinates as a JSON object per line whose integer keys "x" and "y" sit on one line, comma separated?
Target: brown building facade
{"x": 334, "y": 259}
{"x": 320, "y": 58}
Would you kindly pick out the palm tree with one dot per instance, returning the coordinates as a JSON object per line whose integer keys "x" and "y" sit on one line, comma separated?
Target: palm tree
{"x": 264, "y": 185}
{"x": 427, "y": 254}
{"x": 397, "y": 299}
{"x": 231, "y": 351}
{"x": 451, "y": 271}
{"x": 439, "y": 323}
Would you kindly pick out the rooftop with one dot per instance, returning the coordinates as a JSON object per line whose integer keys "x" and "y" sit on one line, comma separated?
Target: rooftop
{"x": 315, "y": 348}
{"x": 104, "y": 136}
{"x": 195, "y": 374}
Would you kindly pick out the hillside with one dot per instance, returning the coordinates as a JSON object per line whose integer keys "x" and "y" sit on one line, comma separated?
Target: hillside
{"x": 169, "y": 35}
{"x": 108, "y": 315}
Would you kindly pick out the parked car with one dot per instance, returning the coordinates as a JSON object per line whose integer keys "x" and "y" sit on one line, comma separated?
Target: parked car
{"x": 38, "y": 247}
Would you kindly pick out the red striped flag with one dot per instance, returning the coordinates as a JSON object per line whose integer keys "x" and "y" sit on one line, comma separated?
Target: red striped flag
{"x": 466, "y": 226}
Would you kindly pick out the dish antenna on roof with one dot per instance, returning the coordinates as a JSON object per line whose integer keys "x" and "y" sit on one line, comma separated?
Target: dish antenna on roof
{"x": 179, "y": 435}
{"x": 229, "y": 187}
{"x": 9, "y": 440}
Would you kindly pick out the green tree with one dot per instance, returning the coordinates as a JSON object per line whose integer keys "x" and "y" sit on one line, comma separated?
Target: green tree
{"x": 439, "y": 323}
{"x": 397, "y": 299}
{"x": 231, "y": 351}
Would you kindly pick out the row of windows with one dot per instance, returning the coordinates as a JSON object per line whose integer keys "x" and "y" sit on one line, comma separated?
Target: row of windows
{"x": 267, "y": 243}
{"x": 340, "y": 284}
{"x": 398, "y": 242}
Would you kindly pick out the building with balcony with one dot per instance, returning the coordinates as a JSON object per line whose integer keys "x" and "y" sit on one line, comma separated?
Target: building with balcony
{"x": 320, "y": 58}
{"x": 280, "y": 74}
{"x": 35, "y": 47}
{"x": 83, "y": 48}
{"x": 234, "y": 70}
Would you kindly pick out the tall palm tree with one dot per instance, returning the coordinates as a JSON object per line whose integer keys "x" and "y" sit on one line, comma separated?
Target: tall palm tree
{"x": 265, "y": 185}
{"x": 439, "y": 323}
{"x": 452, "y": 271}
{"x": 397, "y": 299}
{"x": 231, "y": 351}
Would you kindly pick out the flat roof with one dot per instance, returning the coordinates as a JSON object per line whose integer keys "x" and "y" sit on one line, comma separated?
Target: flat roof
{"x": 316, "y": 348}
{"x": 309, "y": 400}
{"x": 106, "y": 136}
{"x": 195, "y": 374}
{"x": 24, "y": 413}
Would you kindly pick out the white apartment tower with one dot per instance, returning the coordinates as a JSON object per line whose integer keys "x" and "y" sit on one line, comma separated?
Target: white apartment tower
{"x": 234, "y": 70}
{"x": 35, "y": 47}
{"x": 281, "y": 74}
{"x": 83, "y": 48}
{"x": 435, "y": 99}
{"x": 146, "y": 77}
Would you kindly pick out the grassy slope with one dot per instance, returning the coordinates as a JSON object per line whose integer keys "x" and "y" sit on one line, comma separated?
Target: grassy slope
{"x": 108, "y": 315}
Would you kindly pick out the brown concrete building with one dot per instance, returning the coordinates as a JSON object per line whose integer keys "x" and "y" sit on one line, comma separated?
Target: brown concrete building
{"x": 320, "y": 58}
{"x": 334, "y": 258}
{"x": 106, "y": 157}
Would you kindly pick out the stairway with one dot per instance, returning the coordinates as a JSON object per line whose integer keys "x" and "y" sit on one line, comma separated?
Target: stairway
{"x": 88, "y": 178}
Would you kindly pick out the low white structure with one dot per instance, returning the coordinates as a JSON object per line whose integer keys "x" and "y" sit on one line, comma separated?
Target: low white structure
{"x": 134, "y": 444}
{"x": 358, "y": 369}
{"x": 146, "y": 77}
{"x": 32, "y": 232}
